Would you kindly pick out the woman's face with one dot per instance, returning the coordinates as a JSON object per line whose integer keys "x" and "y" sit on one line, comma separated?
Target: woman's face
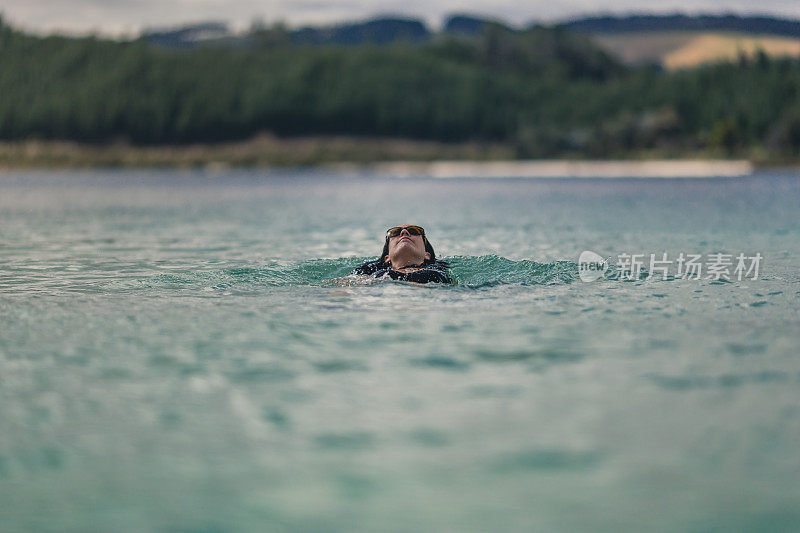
{"x": 407, "y": 245}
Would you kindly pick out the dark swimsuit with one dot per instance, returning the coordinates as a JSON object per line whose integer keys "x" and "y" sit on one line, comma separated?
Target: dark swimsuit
{"x": 434, "y": 272}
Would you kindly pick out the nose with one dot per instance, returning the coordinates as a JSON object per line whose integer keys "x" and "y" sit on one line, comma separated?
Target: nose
{"x": 404, "y": 231}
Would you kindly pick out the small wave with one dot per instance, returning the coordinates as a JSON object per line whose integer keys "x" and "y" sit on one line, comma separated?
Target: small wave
{"x": 490, "y": 270}
{"x": 274, "y": 274}
{"x": 311, "y": 272}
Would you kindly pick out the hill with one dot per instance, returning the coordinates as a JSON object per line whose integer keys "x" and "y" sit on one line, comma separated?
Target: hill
{"x": 670, "y": 41}
{"x": 377, "y": 31}
{"x": 761, "y": 25}
{"x": 189, "y": 36}
{"x": 681, "y": 41}
{"x": 543, "y": 92}
{"x": 674, "y": 50}
{"x": 94, "y": 90}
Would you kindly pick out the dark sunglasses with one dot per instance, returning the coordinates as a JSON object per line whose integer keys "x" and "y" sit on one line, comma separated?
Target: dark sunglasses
{"x": 412, "y": 230}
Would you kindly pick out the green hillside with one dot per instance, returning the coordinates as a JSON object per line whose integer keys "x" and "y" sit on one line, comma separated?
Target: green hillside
{"x": 545, "y": 92}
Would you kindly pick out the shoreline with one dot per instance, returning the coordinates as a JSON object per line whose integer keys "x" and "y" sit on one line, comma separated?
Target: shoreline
{"x": 262, "y": 151}
{"x": 400, "y": 158}
{"x": 554, "y": 168}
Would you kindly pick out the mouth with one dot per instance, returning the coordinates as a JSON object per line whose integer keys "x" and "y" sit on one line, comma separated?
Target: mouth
{"x": 404, "y": 239}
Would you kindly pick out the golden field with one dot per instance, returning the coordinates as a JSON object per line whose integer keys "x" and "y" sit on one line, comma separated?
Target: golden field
{"x": 679, "y": 50}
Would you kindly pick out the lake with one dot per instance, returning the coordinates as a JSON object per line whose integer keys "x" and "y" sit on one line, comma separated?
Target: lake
{"x": 185, "y": 351}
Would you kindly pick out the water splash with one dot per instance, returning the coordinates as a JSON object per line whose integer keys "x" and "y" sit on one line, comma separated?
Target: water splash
{"x": 467, "y": 271}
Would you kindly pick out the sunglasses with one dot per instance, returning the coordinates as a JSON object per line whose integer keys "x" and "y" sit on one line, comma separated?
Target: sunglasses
{"x": 412, "y": 230}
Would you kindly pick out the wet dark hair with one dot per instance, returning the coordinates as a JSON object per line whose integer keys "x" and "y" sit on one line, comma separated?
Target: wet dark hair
{"x": 428, "y": 248}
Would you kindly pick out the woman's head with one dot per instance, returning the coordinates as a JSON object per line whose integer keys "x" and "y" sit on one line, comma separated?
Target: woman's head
{"x": 407, "y": 245}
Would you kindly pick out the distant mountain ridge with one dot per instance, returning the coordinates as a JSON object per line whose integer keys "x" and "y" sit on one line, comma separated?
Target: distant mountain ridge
{"x": 388, "y": 30}
{"x": 763, "y": 25}
{"x": 464, "y": 25}
{"x": 376, "y": 31}
{"x": 188, "y": 36}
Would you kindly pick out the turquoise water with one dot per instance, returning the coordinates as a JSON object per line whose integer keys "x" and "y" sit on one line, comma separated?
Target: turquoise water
{"x": 185, "y": 352}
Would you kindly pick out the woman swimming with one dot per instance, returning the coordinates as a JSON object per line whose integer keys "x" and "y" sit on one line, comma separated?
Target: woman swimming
{"x": 407, "y": 256}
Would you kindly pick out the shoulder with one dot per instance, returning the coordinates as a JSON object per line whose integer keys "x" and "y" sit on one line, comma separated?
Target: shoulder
{"x": 430, "y": 273}
{"x": 442, "y": 268}
{"x": 370, "y": 267}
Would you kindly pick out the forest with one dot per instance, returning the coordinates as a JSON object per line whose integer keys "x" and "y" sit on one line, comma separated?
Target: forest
{"x": 543, "y": 91}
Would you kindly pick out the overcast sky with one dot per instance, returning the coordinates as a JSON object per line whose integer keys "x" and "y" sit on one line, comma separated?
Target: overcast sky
{"x": 130, "y": 16}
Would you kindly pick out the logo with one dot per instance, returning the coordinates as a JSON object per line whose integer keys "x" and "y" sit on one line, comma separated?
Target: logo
{"x": 717, "y": 267}
{"x": 591, "y": 266}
